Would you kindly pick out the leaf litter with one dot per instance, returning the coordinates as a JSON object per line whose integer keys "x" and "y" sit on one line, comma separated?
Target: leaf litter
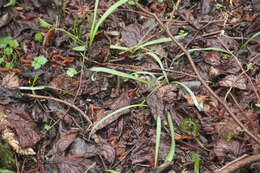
{"x": 126, "y": 140}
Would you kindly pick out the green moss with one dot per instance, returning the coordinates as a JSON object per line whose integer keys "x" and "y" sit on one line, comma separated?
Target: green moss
{"x": 7, "y": 160}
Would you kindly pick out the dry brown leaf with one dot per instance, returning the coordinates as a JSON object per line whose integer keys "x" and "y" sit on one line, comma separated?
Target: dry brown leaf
{"x": 10, "y": 81}
{"x": 10, "y": 137}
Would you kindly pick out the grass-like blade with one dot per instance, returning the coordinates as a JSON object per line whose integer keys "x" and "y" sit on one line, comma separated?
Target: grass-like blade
{"x": 111, "y": 171}
{"x": 158, "y": 60}
{"x": 171, "y": 153}
{"x": 205, "y": 49}
{"x": 196, "y": 161}
{"x": 161, "y": 40}
{"x": 75, "y": 38}
{"x": 121, "y": 74}
{"x": 103, "y": 18}
{"x": 96, "y": 125}
{"x": 251, "y": 38}
{"x": 158, "y": 139}
{"x": 194, "y": 98}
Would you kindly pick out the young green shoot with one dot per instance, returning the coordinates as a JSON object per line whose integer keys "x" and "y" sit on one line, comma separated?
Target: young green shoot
{"x": 171, "y": 153}
{"x": 95, "y": 25}
{"x": 196, "y": 161}
{"x": 121, "y": 74}
{"x": 157, "y": 141}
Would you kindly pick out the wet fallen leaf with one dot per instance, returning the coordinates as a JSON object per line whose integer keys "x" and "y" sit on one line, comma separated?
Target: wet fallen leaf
{"x": 234, "y": 81}
{"x": 63, "y": 141}
{"x": 131, "y": 35}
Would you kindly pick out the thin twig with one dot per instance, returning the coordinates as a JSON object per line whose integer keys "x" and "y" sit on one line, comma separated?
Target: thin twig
{"x": 60, "y": 101}
{"x": 257, "y": 140}
{"x": 239, "y": 163}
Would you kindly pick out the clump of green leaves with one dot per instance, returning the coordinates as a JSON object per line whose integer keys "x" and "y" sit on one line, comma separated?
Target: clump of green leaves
{"x": 39, "y": 61}
{"x": 190, "y": 127}
{"x": 38, "y": 36}
{"x": 7, "y": 47}
{"x": 71, "y": 72}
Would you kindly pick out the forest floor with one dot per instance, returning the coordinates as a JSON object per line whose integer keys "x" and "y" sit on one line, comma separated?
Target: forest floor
{"x": 171, "y": 86}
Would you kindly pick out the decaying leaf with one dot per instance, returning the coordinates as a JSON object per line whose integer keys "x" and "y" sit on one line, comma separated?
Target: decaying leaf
{"x": 234, "y": 81}
{"x": 10, "y": 81}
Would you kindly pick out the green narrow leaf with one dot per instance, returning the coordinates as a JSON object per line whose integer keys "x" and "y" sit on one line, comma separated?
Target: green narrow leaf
{"x": 121, "y": 74}
{"x": 10, "y": 3}
{"x": 43, "y": 23}
{"x": 162, "y": 40}
{"x": 194, "y": 98}
{"x": 111, "y": 171}
{"x": 6, "y": 171}
{"x": 158, "y": 139}
{"x": 75, "y": 38}
{"x": 80, "y": 48}
{"x": 205, "y": 49}
{"x": 158, "y": 60}
{"x": 196, "y": 161}
{"x": 251, "y": 38}
{"x": 118, "y": 47}
{"x": 103, "y": 18}
{"x": 171, "y": 153}
{"x": 96, "y": 125}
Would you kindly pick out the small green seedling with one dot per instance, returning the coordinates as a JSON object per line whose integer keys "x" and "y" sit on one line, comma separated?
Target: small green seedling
{"x": 249, "y": 66}
{"x": 39, "y": 61}
{"x": 7, "y": 46}
{"x": 71, "y": 72}
{"x": 47, "y": 127}
{"x": 38, "y": 36}
{"x": 192, "y": 128}
{"x": 230, "y": 135}
{"x": 218, "y": 6}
